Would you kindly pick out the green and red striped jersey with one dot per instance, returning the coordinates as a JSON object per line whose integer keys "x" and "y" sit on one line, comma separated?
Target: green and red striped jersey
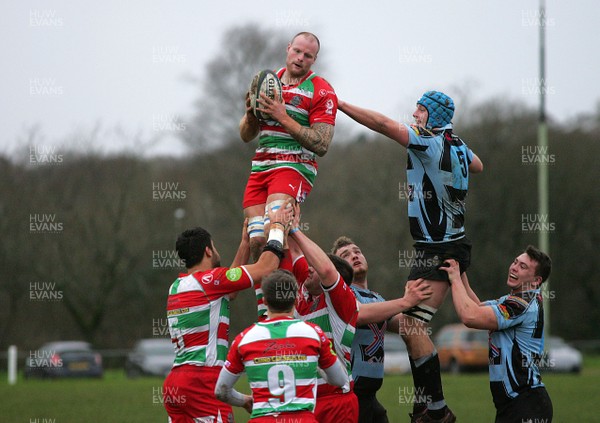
{"x": 198, "y": 314}
{"x": 280, "y": 357}
{"x": 310, "y": 101}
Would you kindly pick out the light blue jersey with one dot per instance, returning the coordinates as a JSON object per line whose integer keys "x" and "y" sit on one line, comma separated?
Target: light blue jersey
{"x": 367, "y": 348}
{"x": 517, "y": 346}
{"x": 438, "y": 179}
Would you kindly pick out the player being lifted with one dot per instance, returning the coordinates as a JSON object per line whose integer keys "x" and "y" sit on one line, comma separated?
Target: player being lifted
{"x": 301, "y": 127}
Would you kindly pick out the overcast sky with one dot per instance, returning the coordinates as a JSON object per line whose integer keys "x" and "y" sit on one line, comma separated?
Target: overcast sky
{"x": 68, "y": 66}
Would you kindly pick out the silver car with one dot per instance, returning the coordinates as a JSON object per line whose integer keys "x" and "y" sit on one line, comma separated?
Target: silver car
{"x": 560, "y": 357}
{"x": 150, "y": 357}
{"x": 395, "y": 360}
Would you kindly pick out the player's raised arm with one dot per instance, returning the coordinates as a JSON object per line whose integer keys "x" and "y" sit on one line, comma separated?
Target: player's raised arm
{"x": 316, "y": 257}
{"x": 376, "y": 122}
{"x": 471, "y": 313}
{"x": 414, "y": 293}
{"x": 242, "y": 255}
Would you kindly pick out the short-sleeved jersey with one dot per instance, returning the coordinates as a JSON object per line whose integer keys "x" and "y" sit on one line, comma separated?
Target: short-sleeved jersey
{"x": 367, "y": 347}
{"x": 280, "y": 357}
{"x": 335, "y": 311}
{"x": 310, "y": 101}
{"x": 437, "y": 174}
{"x": 517, "y": 345}
{"x": 198, "y": 314}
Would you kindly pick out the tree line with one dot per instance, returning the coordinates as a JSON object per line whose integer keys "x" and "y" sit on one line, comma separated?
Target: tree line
{"x": 88, "y": 245}
{"x": 88, "y": 241}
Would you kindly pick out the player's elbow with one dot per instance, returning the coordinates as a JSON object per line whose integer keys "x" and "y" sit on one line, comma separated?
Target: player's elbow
{"x": 476, "y": 169}
{"x": 221, "y": 393}
{"x": 469, "y": 322}
{"x": 246, "y": 136}
{"x": 321, "y": 151}
{"x": 476, "y": 166}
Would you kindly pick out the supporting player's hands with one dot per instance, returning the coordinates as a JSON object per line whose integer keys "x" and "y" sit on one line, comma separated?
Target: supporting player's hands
{"x": 296, "y": 218}
{"x": 417, "y": 291}
{"x": 451, "y": 267}
{"x": 273, "y": 107}
{"x": 283, "y": 215}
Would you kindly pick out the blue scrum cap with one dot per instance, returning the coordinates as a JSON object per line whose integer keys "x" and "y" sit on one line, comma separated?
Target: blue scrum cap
{"x": 440, "y": 108}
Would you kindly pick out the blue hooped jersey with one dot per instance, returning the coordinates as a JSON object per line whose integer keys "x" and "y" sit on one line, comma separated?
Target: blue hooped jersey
{"x": 517, "y": 346}
{"x": 437, "y": 173}
{"x": 367, "y": 347}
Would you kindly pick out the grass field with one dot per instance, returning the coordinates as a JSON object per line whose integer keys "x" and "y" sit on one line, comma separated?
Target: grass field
{"x": 117, "y": 399}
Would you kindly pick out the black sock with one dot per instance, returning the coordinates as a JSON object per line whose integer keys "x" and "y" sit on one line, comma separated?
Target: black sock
{"x": 427, "y": 373}
{"x": 419, "y": 405}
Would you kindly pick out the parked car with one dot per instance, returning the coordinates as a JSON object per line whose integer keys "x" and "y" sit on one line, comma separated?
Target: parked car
{"x": 560, "y": 357}
{"x": 461, "y": 348}
{"x": 150, "y": 357}
{"x": 396, "y": 356}
{"x": 64, "y": 359}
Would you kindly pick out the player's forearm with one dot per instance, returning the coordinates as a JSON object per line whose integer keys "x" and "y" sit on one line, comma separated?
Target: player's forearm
{"x": 242, "y": 255}
{"x": 316, "y": 138}
{"x": 224, "y": 389}
{"x": 378, "y": 312}
{"x": 336, "y": 375}
{"x": 470, "y": 293}
{"x": 369, "y": 118}
{"x": 249, "y": 128}
{"x": 465, "y": 307}
{"x": 316, "y": 258}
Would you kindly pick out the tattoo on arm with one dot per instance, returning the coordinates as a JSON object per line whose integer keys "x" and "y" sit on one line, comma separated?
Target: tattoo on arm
{"x": 316, "y": 138}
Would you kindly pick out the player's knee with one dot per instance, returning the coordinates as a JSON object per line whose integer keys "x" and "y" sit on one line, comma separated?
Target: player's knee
{"x": 421, "y": 313}
{"x": 414, "y": 327}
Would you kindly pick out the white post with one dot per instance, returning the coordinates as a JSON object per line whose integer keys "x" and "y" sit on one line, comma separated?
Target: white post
{"x": 12, "y": 364}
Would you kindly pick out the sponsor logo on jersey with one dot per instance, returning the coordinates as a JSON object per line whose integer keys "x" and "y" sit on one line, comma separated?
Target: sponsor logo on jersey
{"x": 178, "y": 311}
{"x": 234, "y": 274}
{"x": 279, "y": 358}
{"x": 323, "y": 92}
{"x": 208, "y": 278}
{"x": 296, "y": 100}
{"x": 329, "y": 107}
{"x": 275, "y": 346}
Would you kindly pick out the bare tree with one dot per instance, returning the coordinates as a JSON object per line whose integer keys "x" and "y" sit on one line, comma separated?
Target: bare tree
{"x": 244, "y": 51}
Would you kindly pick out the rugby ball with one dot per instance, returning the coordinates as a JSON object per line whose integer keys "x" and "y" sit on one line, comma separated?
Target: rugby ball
{"x": 267, "y": 83}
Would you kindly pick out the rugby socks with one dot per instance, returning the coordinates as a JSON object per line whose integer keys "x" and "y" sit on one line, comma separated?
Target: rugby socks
{"x": 419, "y": 403}
{"x": 428, "y": 383}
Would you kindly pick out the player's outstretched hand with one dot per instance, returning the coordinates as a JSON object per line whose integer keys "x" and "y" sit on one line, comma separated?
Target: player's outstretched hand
{"x": 417, "y": 291}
